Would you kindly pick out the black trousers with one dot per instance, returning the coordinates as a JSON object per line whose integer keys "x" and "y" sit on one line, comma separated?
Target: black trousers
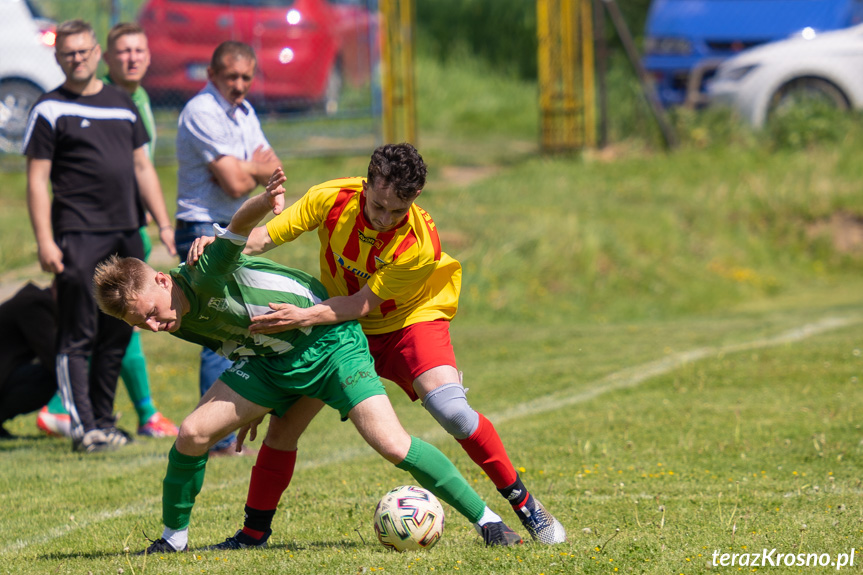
{"x": 90, "y": 344}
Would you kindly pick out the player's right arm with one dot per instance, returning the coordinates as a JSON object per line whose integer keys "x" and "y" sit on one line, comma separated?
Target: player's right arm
{"x": 254, "y": 209}
{"x": 259, "y": 240}
{"x": 39, "y": 206}
{"x": 304, "y": 215}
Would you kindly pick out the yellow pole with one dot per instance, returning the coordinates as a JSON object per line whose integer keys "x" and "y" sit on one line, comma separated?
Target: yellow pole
{"x": 569, "y": 105}
{"x": 397, "y": 67}
{"x": 566, "y": 76}
{"x": 544, "y": 57}
{"x": 587, "y": 66}
{"x": 386, "y": 13}
{"x": 407, "y": 42}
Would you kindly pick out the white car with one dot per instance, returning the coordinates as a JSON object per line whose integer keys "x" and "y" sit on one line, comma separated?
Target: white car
{"x": 826, "y": 66}
{"x": 27, "y": 67}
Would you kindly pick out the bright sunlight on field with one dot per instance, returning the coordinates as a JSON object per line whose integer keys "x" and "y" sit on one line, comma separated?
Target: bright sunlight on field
{"x": 669, "y": 346}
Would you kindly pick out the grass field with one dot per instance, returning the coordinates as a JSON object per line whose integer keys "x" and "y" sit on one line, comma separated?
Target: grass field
{"x": 670, "y": 346}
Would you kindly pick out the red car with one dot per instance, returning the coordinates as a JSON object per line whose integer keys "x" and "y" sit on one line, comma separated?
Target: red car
{"x": 306, "y": 49}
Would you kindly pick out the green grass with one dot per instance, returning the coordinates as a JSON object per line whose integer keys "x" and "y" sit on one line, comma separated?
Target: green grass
{"x": 633, "y": 322}
{"x": 740, "y": 448}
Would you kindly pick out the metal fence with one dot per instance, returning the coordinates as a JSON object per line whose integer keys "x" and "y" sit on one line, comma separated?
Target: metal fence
{"x": 317, "y": 84}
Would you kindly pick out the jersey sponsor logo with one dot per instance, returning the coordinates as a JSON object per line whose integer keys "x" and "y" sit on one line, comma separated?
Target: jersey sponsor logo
{"x": 428, "y": 219}
{"x": 354, "y": 270}
{"x": 379, "y": 244}
{"x": 218, "y": 304}
{"x": 356, "y": 378}
{"x": 238, "y": 366}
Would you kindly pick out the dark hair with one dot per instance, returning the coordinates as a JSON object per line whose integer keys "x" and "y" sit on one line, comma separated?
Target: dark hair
{"x": 399, "y": 166}
{"x": 72, "y": 28}
{"x": 120, "y": 30}
{"x": 231, "y": 48}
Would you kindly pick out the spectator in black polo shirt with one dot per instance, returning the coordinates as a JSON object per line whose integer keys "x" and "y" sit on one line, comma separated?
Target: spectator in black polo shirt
{"x": 89, "y": 142}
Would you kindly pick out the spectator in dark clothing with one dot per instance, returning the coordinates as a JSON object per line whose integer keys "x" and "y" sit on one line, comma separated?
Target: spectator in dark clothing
{"x": 89, "y": 180}
{"x": 28, "y": 332}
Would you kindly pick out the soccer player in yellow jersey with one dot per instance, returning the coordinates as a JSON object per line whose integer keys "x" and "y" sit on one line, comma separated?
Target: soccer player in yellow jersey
{"x": 382, "y": 263}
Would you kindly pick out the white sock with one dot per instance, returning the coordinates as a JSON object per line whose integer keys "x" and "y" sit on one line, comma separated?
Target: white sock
{"x": 178, "y": 539}
{"x": 488, "y": 516}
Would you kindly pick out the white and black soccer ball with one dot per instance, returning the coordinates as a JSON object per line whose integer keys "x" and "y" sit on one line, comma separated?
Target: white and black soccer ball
{"x": 409, "y": 518}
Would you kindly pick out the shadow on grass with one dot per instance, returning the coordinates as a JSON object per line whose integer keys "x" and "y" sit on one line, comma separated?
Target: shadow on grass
{"x": 311, "y": 545}
{"x": 79, "y": 555}
{"x": 133, "y": 554}
{"x": 21, "y": 442}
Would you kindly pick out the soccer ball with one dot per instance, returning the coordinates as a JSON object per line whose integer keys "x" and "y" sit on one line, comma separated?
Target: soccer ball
{"x": 409, "y": 518}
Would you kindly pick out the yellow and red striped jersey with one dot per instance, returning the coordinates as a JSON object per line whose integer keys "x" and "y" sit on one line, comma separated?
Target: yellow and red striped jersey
{"x": 405, "y": 267}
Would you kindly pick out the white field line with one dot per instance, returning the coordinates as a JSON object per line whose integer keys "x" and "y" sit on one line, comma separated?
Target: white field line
{"x": 634, "y": 376}
{"x": 623, "y": 379}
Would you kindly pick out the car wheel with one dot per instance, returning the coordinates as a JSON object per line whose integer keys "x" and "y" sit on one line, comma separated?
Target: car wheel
{"x": 806, "y": 92}
{"x": 333, "y": 91}
{"x": 16, "y": 99}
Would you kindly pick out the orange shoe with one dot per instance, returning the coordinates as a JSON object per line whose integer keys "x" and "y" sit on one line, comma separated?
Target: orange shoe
{"x": 158, "y": 426}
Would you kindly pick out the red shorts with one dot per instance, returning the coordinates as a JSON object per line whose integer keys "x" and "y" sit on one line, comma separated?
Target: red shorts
{"x": 401, "y": 356}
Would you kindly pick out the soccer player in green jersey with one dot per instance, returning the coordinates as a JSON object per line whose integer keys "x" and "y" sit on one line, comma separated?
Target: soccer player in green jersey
{"x": 212, "y": 304}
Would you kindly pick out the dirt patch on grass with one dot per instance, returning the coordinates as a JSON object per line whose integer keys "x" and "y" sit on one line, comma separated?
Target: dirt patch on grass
{"x": 844, "y": 229}
{"x": 466, "y": 175}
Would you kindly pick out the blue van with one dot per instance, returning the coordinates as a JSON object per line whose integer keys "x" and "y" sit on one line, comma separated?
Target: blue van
{"x": 685, "y": 40}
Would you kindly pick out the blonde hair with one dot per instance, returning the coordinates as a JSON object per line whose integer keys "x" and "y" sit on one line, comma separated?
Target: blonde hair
{"x": 118, "y": 282}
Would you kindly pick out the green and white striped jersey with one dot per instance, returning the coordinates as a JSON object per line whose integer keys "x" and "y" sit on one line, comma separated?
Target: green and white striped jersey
{"x": 226, "y": 289}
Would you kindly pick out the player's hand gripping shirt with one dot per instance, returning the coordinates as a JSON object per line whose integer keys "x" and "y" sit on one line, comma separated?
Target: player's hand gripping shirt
{"x": 226, "y": 289}
{"x": 405, "y": 267}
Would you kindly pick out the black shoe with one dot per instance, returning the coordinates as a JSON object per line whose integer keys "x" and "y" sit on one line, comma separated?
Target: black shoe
{"x": 498, "y": 534}
{"x": 160, "y": 546}
{"x": 541, "y": 524}
{"x": 241, "y": 540}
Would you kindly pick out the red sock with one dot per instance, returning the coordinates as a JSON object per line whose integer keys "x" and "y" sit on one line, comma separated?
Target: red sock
{"x": 271, "y": 475}
{"x": 486, "y": 449}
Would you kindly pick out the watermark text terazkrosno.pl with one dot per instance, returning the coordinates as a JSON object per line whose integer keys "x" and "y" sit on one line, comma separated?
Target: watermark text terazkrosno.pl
{"x": 775, "y": 558}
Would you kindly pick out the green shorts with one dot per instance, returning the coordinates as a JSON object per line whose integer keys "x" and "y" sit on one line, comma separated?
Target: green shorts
{"x": 337, "y": 369}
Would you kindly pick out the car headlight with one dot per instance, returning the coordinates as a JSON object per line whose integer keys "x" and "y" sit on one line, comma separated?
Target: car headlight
{"x": 668, "y": 46}
{"x": 736, "y": 74}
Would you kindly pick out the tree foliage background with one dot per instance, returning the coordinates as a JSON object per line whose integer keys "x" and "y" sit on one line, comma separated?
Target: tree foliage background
{"x": 502, "y": 32}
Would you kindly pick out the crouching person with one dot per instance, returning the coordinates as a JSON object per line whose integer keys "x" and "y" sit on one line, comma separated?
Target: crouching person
{"x": 291, "y": 374}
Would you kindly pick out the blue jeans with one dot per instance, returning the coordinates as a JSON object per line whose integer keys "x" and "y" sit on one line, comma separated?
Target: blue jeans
{"x": 212, "y": 364}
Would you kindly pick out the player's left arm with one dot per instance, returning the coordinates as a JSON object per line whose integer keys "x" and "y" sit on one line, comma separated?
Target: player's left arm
{"x": 334, "y": 310}
{"x": 392, "y": 282}
{"x": 151, "y": 193}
